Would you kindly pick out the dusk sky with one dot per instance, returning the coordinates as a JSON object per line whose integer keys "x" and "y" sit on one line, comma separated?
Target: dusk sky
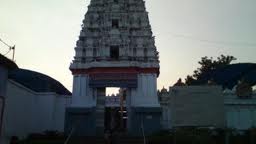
{"x": 45, "y": 33}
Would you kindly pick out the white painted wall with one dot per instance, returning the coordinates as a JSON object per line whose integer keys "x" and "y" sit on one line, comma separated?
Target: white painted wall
{"x": 82, "y": 93}
{"x": 240, "y": 113}
{"x": 19, "y": 105}
{"x": 166, "y": 118}
{"x": 145, "y": 95}
{"x": 30, "y": 112}
{"x": 61, "y": 102}
{"x": 197, "y": 106}
{"x": 164, "y": 99}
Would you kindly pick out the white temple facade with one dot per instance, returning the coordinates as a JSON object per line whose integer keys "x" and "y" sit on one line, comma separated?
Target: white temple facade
{"x": 116, "y": 48}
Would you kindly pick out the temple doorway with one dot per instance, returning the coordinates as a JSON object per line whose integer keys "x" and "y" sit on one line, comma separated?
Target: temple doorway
{"x": 115, "y": 110}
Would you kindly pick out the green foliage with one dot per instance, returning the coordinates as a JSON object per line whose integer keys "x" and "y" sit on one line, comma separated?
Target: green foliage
{"x": 207, "y": 64}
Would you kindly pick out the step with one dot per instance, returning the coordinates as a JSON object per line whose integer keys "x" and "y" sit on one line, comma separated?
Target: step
{"x": 100, "y": 140}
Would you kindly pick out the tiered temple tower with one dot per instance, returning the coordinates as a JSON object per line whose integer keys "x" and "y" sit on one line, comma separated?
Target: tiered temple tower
{"x": 116, "y": 48}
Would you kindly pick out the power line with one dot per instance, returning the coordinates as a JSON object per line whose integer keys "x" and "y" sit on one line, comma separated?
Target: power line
{"x": 226, "y": 43}
{"x": 5, "y": 43}
{"x": 7, "y": 52}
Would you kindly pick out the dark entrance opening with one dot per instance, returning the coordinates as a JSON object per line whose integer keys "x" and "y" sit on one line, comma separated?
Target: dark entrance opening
{"x": 115, "y": 23}
{"x": 114, "y": 52}
{"x": 115, "y": 111}
{"x": 115, "y": 120}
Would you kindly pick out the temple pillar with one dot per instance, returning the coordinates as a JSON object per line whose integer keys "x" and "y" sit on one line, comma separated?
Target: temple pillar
{"x": 100, "y": 111}
{"x": 145, "y": 111}
{"x": 80, "y": 116}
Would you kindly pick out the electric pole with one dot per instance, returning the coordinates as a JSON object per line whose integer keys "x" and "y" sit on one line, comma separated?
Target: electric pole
{"x": 11, "y": 48}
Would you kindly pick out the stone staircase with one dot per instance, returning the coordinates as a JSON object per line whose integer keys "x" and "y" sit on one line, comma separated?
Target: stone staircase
{"x": 130, "y": 140}
{"x": 100, "y": 140}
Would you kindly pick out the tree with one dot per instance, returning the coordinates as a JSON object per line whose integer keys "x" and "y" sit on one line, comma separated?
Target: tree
{"x": 208, "y": 64}
{"x": 190, "y": 80}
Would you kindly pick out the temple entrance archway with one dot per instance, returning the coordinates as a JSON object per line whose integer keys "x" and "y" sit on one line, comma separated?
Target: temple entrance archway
{"x": 89, "y": 102}
{"x": 115, "y": 110}
{"x": 111, "y": 110}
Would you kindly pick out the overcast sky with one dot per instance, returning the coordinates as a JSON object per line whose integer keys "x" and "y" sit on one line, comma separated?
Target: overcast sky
{"x": 45, "y": 33}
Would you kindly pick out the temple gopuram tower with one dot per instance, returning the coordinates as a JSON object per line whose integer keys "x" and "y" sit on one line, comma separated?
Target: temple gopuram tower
{"x": 116, "y": 48}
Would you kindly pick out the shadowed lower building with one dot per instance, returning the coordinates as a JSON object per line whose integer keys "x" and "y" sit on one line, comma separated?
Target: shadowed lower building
{"x": 197, "y": 106}
{"x": 6, "y": 65}
{"x": 116, "y": 48}
{"x": 206, "y": 102}
{"x": 193, "y": 106}
{"x": 34, "y": 103}
{"x": 30, "y": 102}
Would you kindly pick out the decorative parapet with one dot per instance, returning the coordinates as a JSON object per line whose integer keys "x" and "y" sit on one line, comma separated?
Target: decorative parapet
{"x": 233, "y": 99}
{"x": 163, "y": 97}
{"x": 114, "y": 101}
